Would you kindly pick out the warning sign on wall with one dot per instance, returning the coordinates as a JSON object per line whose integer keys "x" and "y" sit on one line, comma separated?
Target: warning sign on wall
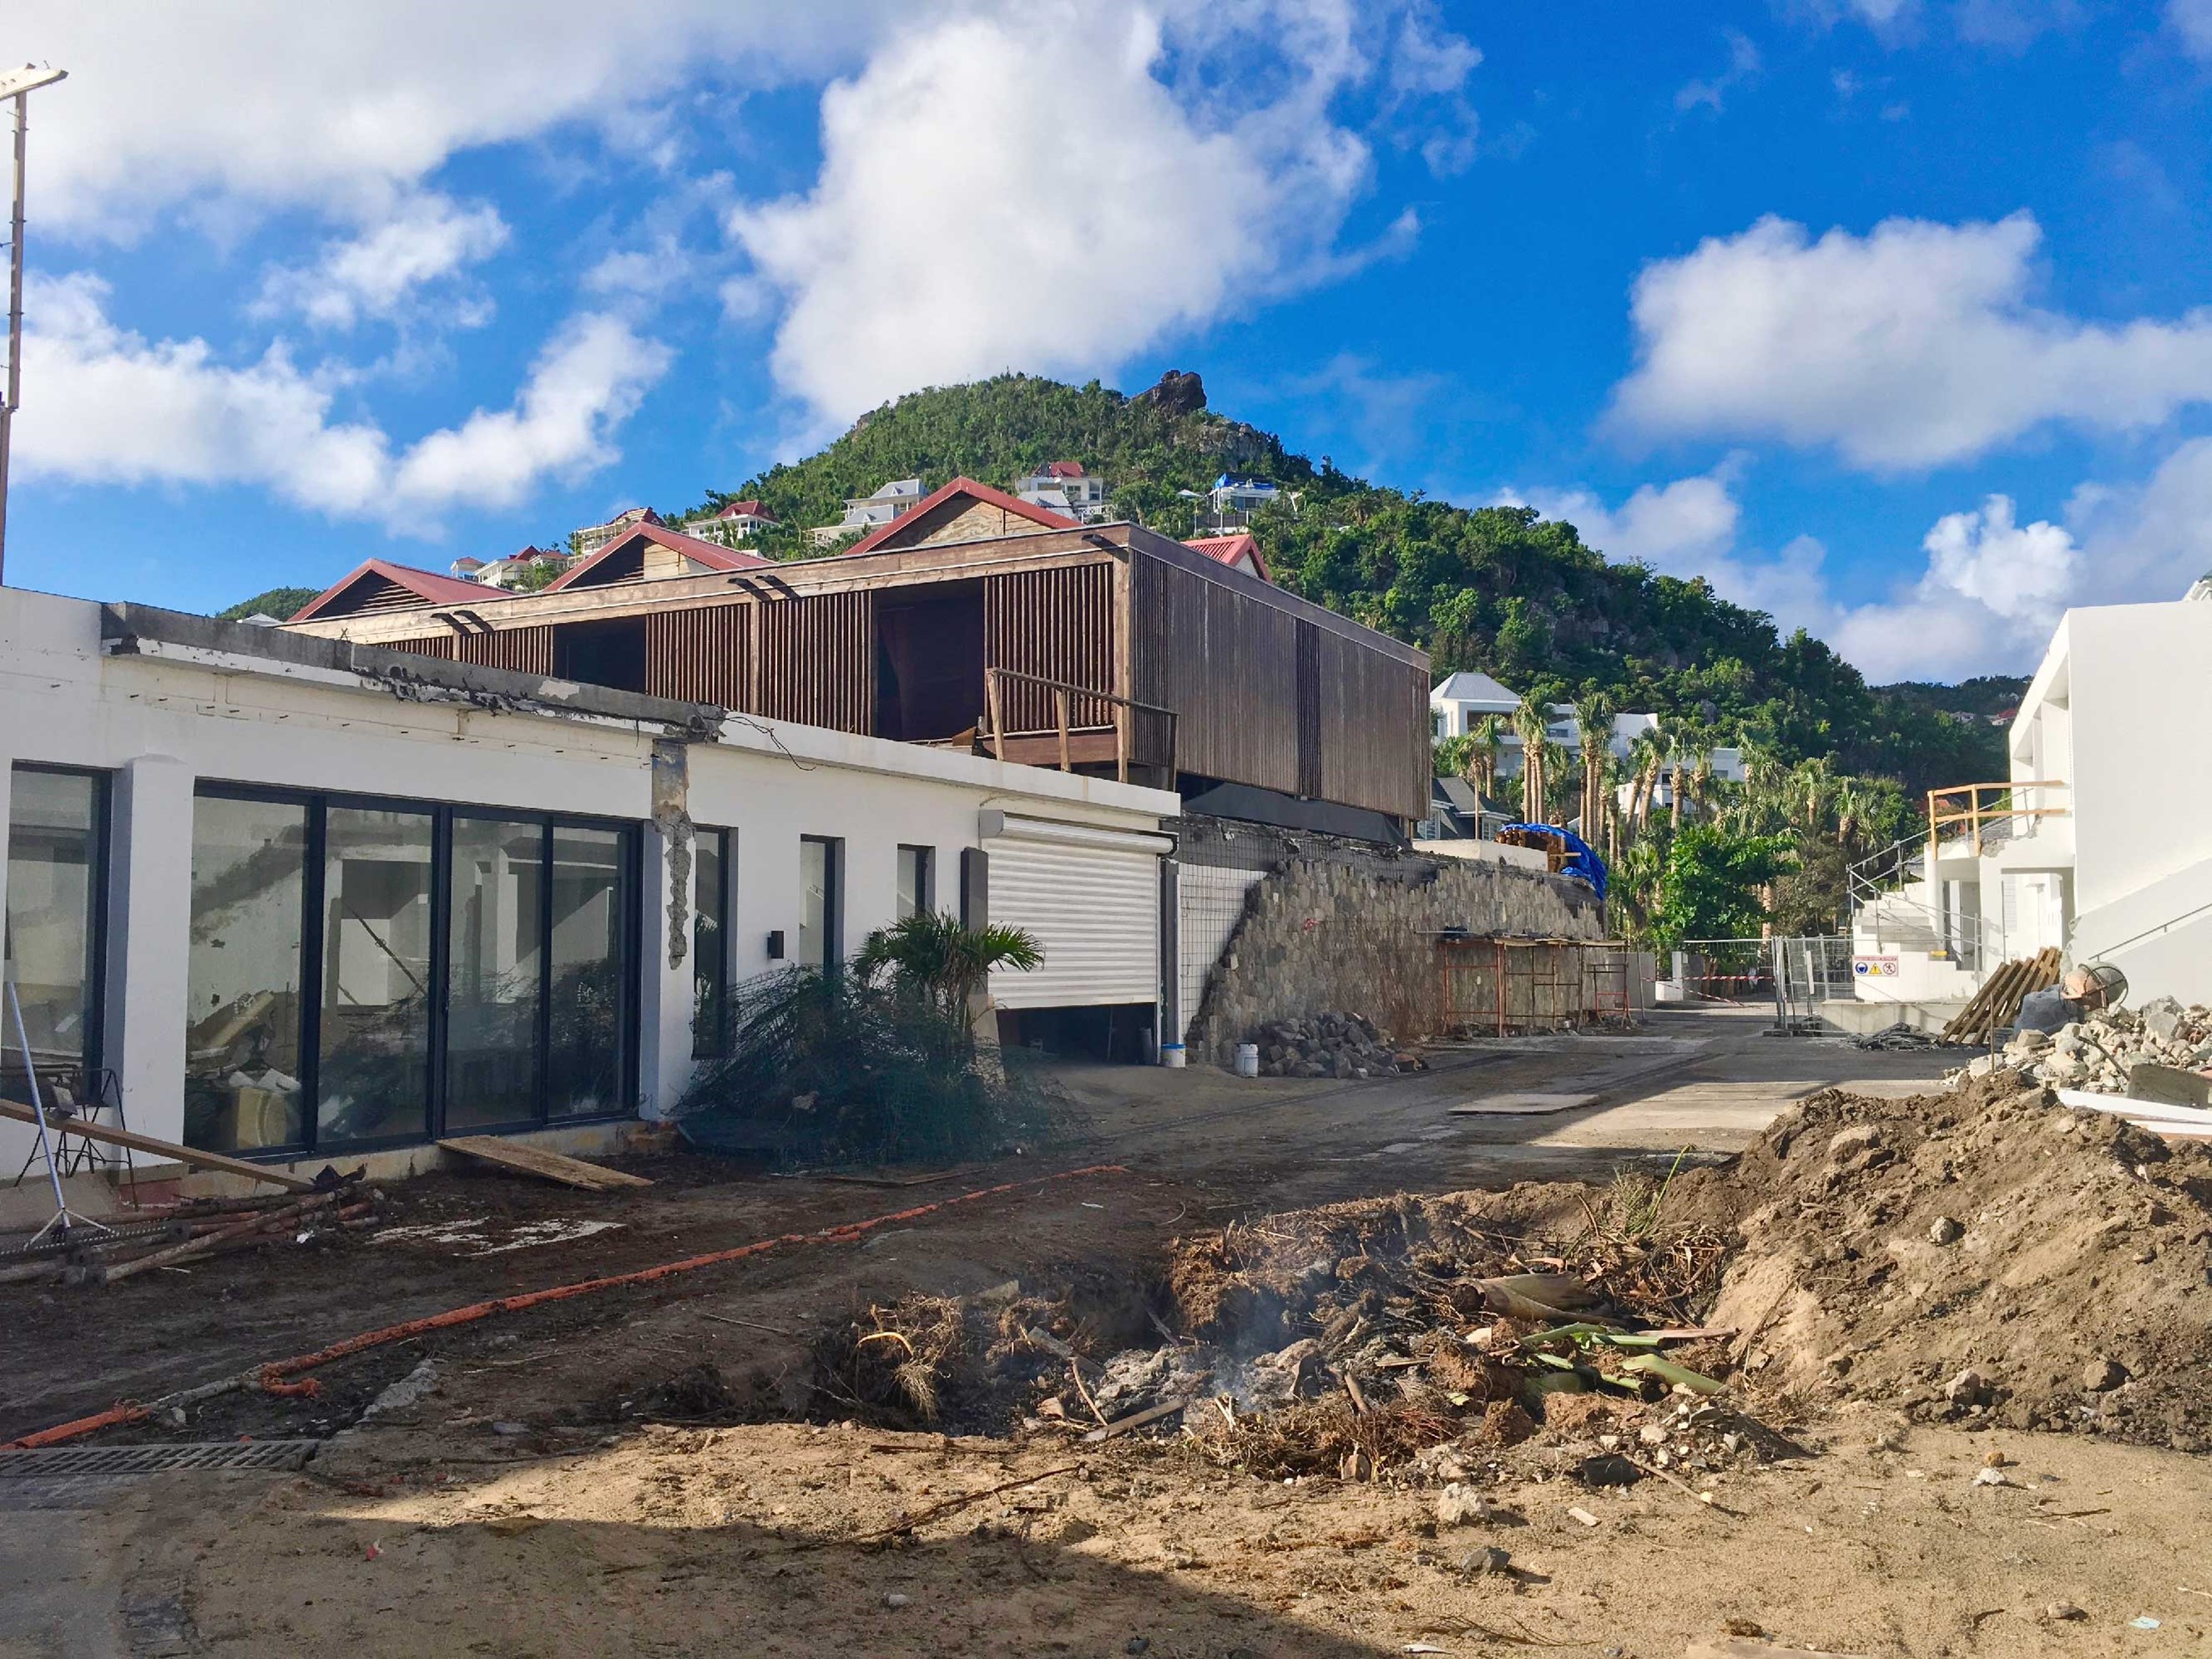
{"x": 1875, "y": 967}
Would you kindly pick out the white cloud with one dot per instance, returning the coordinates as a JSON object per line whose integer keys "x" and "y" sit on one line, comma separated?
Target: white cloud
{"x": 2191, "y": 20}
{"x": 1671, "y": 527}
{"x": 964, "y": 221}
{"x": 1743, "y": 64}
{"x": 109, "y": 406}
{"x": 586, "y": 381}
{"x": 343, "y": 106}
{"x": 1909, "y": 347}
{"x": 426, "y": 237}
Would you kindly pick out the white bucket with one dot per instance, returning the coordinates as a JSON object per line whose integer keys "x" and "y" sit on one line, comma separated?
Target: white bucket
{"x": 1171, "y": 1056}
{"x": 1248, "y": 1060}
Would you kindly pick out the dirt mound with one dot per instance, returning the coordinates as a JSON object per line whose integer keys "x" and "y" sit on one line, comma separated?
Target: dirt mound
{"x": 1984, "y": 1255}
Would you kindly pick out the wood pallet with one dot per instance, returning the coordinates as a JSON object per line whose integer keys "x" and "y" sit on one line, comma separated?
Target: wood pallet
{"x": 547, "y": 1166}
{"x": 1996, "y": 1005}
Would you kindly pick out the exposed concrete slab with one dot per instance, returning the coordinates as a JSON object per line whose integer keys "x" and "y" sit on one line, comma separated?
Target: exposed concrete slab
{"x": 1525, "y": 1103}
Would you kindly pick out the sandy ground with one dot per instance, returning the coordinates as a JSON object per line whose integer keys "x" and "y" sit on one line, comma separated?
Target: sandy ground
{"x": 522, "y": 1509}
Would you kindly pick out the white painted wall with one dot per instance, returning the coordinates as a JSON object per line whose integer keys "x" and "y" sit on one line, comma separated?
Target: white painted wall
{"x": 160, "y": 724}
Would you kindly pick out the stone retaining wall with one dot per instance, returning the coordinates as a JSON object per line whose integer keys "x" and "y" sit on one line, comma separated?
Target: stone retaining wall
{"x": 1355, "y": 936}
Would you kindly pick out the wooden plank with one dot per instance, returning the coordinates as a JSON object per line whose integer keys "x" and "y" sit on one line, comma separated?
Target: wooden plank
{"x": 536, "y": 1161}
{"x": 187, "y": 1155}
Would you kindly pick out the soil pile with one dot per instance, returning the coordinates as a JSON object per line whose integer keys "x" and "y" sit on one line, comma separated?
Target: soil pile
{"x": 1985, "y": 1255}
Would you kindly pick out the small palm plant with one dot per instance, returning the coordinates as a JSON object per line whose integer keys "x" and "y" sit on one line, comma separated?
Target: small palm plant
{"x": 935, "y": 958}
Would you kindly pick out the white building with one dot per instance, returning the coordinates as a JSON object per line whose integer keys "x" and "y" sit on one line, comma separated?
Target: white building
{"x": 731, "y": 524}
{"x": 1063, "y": 487}
{"x": 1235, "y": 498}
{"x": 863, "y": 514}
{"x": 2099, "y": 840}
{"x": 307, "y": 900}
{"x": 593, "y": 536}
{"x": 1463, "y": 701}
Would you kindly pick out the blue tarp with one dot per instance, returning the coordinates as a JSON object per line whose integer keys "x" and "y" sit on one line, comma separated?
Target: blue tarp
{"x": 1583, "y": 863}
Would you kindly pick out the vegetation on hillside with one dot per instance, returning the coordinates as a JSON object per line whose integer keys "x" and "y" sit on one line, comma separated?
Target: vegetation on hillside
{"x": 278, "y": 602}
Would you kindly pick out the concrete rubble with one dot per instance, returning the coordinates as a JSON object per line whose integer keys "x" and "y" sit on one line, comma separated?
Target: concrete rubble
{"x": 1346, "y": 1045}
{"x": 2098, "y": 1053}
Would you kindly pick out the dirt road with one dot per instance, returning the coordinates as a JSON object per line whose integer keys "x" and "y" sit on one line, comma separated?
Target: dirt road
{"x": 528, "y": 1503}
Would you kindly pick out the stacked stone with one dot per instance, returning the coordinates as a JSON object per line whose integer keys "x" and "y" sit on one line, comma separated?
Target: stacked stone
{"x": 1346, "y": 1045}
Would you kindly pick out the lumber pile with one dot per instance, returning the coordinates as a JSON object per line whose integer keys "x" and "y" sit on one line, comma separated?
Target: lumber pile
{"x": 189, "y": 1233}
{"x": 1996, "y": 1005}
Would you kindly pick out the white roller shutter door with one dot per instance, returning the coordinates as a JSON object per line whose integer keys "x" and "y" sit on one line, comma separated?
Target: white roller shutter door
{"x": 1091, "y": 896}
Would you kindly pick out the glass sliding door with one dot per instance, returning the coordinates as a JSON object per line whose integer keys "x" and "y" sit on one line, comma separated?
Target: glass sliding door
{"x": 412, "y": 970}
{"x": 588, "y": 996}
{"x": 495, "y": 973}
{"x": 244, "y": 975}
{"x": 917, "y": 873}
{"x": 55, "y": 876}
{"x": 373, "y": 1052}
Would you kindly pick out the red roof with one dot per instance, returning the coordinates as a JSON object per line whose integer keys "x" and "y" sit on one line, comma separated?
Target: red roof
{"x": 1060, "y": 469}
{"x": 427, "y": 585}
{"x": 713, "y": 555}
{"x": 1228, "y": 549}
{"x": 970, "y": 488}
{"x": 746, "y": 510}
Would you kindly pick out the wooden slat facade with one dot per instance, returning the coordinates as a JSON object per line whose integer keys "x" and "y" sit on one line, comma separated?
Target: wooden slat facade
{"x": 1267, "y": 689}
{"x": 704, "y": 654}
{"x": 1059, "y": 625}
{"x": 817, "y": 660}
{"x": 1229, "y": 669}
{"x": 525, "y": 650}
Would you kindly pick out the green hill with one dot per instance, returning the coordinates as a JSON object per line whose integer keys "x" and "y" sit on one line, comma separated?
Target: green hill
{"x": 1496, "y": 588}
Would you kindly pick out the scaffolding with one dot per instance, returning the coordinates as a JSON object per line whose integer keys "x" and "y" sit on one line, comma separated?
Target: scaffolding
{"x": 1498, "y": 987}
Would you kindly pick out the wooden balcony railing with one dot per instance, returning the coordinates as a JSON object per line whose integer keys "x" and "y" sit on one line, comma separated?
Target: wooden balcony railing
{"x": 1044, "y": 722}
{"x": 1978, "y": 806}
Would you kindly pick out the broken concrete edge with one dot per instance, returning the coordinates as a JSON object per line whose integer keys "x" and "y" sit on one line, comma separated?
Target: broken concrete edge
{"x": 127, "y": 629}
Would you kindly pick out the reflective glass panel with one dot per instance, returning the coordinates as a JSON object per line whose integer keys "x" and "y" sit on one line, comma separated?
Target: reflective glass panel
{"x": 496, "y": 963}
{"x": 374, "y": 1076}
{"x": 586, "y": 1065}
{"x": 243, "y": 974}
{"x": 54, "y": 882}
{"x": 710, "y": 942}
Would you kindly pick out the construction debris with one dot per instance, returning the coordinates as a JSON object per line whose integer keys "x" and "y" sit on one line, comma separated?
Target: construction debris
{"x": 1346, "y": 1046}
{"x": 510, "y": 1154}
{"x": 2099, "y": 1053}
{"x": 1996, "y": 1005}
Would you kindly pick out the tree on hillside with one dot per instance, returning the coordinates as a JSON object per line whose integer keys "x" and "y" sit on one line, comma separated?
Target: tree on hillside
{"x": 282, "y": 603}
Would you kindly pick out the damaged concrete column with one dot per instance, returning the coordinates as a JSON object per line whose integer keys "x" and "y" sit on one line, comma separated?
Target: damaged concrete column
{"x": 665, "y": 1003}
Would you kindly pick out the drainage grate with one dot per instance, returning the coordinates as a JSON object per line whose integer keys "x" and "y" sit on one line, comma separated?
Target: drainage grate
{"x": 158, "y": 1459}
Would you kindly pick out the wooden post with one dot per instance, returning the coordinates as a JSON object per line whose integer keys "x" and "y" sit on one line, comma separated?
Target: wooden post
{"x": 1122, "y": 740}
{"x": 994, "y": 695}
{"x": 1060, "y": 706}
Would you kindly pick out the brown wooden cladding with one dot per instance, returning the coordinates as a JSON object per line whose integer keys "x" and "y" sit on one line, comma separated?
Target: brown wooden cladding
{"x": 1058, "y": 624}
{"x": 1373, "y": 725}
{"x": 702, "y": 655}
{"x": 525, "y": 650}
{"x": 1228, "y": 667}
{"x": 817, "y": 660}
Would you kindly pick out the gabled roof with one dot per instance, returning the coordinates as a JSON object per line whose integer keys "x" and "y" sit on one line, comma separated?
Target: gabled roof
{"x": 958, "y": 496}
{"x": 1233, "y": 551}
{"x": 379, "y": 584}
{"x": 610, "y": 563}
{"x": 1059, "y": 470}
{"x": 744, "y": 510}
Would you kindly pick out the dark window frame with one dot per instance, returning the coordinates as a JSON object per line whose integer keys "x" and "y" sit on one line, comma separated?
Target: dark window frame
{"x": 716, "y": 1045}
{"x": 98, "y": 880}
{"x": 833, "y": 903}
{"x": 314, "y": 898}
{"x": 924, "y": 895}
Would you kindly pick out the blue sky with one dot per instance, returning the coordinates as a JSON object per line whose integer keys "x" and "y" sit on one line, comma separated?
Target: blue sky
{"x": 1891, "y": 317}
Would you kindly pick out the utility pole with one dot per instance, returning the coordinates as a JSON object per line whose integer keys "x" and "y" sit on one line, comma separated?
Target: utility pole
{"x": 18, "y": 84}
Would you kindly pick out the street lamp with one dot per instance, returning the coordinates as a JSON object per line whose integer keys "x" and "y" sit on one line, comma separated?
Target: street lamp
{"x": 18, "y": 84}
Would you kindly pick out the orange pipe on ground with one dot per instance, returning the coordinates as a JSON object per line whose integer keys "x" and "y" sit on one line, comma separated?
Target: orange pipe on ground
{"x": 270, "y": 1376}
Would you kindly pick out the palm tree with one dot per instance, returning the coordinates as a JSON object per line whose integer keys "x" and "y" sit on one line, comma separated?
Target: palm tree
{"x": 944, "y": 964}
{"x": 1646, "y": 756}
{"x": 1594, "y": 721}
{"x": 1534, "y": 722}
{"x": 1484, "y": 742}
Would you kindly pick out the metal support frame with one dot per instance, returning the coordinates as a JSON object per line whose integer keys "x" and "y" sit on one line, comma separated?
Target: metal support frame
{"x": 65, "y": 1222}
{"x": 20, "y": 84}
